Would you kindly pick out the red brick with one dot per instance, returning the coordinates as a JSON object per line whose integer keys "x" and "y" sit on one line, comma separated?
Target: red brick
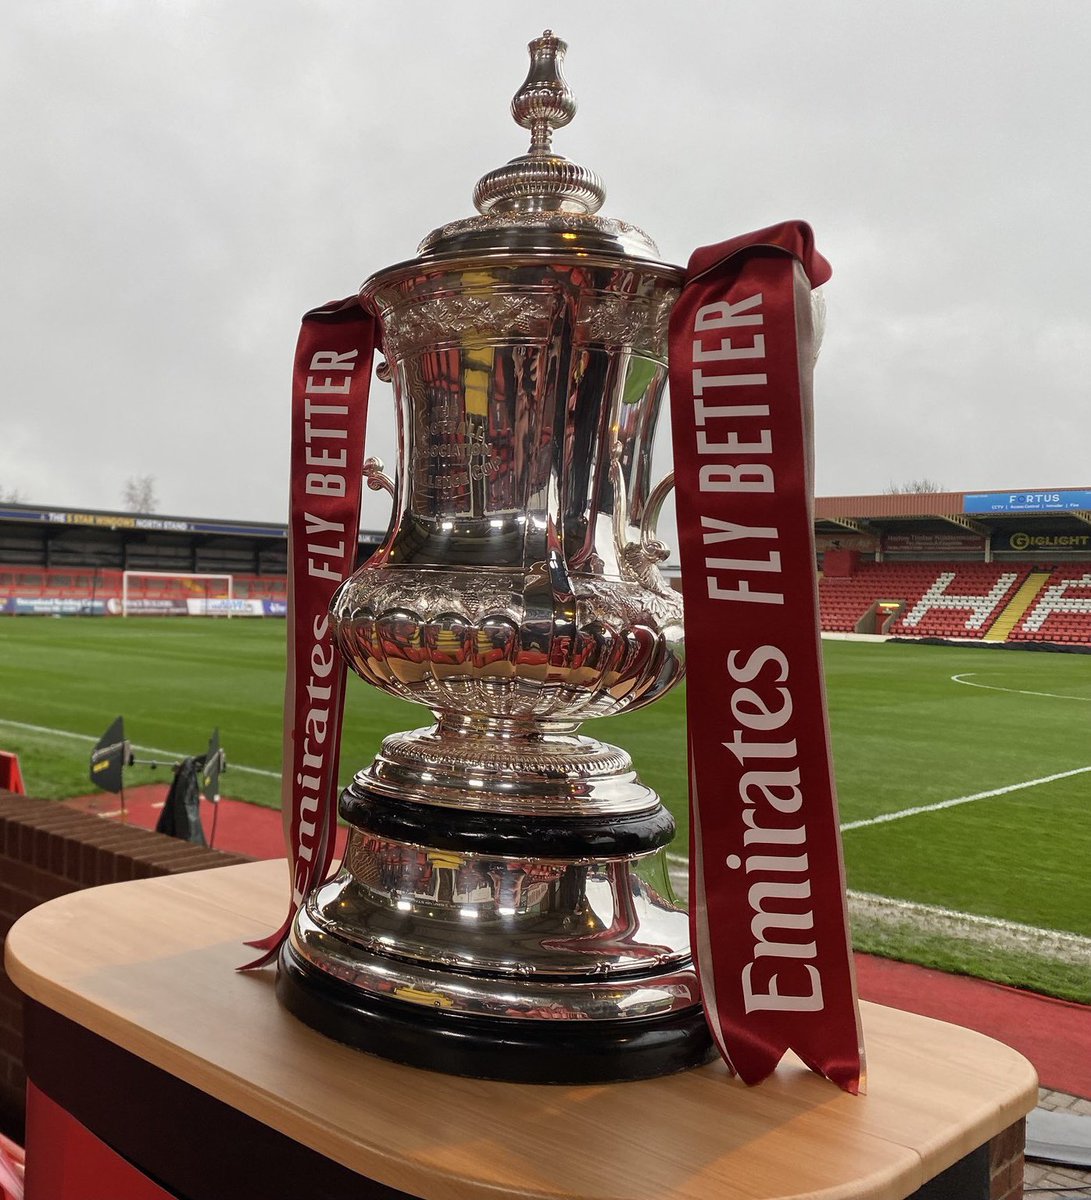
{"x": 1000, "y": 1180}
{"x": 11, "y": 1016}
{"x": 55, "y": 863}
{"x": 52, "y": 887}
{"x": 20, "y": 877}
{"x": 11, "y": 1043}
{"x": 48, "y": 850}
{"x": 24, "y": 850}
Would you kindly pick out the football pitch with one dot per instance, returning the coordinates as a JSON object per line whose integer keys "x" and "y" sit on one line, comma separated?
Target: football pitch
{"x": 964, "y": 775}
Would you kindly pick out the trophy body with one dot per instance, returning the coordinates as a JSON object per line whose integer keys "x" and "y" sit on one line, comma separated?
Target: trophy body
{"x": 493, "y": 915}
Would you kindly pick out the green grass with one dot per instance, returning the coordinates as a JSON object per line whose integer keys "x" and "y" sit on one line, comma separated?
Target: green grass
{"x": 173, "y": 680}
{"x": 1068, "y": 980}
{"x": 904, "y": 735}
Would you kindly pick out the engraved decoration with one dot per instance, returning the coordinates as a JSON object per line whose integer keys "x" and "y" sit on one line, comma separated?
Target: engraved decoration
{"x": 457, "y": 319}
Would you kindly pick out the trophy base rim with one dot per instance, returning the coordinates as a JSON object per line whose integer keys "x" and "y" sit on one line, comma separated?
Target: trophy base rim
{"x": 516, "y": 1050}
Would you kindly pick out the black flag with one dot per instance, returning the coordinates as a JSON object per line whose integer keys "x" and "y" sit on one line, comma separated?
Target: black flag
{"x": 181, "y": 815}
{"x": 111, "y": 753}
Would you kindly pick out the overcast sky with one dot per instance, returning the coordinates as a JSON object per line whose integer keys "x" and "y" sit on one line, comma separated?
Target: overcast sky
{"x": 182, "y": 180}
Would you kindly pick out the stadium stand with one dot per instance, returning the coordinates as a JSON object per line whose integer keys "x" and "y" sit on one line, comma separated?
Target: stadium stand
{"x": 930, "y": 565}
{"x": 72, "y": 562}
{"x": 66, "y": 584}
{"x": 927, "y": 599}
{"x": 962, "y": 600}
{"x": 1011, "y": 567}
{"x": 1060, "y": 611}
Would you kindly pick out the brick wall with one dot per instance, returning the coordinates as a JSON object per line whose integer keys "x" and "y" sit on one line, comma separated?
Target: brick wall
{"x": 1006, "y": 1165}
{"x": 47, "y": 850}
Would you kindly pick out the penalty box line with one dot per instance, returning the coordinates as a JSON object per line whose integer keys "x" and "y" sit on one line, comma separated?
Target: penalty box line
{"x": 146, "y": 749}
{"x": 965, "y": 680}
{"x": 942, "y": 804}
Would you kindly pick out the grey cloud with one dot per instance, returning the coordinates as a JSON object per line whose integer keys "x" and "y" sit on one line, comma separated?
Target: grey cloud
{"x": 183, "y": 180}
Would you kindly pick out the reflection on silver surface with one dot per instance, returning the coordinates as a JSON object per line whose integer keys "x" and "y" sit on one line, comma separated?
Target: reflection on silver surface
{"x": 467, "y": 767}
{"x": 484, "y": 935}
{"x": 516, "y": 581}
{"x": 516, "y": 594}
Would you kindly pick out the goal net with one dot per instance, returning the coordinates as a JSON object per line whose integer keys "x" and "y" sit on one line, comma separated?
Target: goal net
{"x": 174, "y": 593}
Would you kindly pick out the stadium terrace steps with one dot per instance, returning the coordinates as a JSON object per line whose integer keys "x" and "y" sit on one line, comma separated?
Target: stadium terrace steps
{"x": 994, "y": 602}
{"x": 1061, "y": 612}
{"x": 929, "y": 593}
{"x": 1017, "y": 606}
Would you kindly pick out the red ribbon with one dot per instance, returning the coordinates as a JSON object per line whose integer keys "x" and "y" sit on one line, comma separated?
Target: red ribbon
{"x": 329, "y": 414}
{"x": 767, "y": 897}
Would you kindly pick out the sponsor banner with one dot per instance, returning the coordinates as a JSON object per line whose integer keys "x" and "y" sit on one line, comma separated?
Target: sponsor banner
{"x": 862, "y": 543}
{"x": 56, "y": 516}
{"x": 59, "y": 606}
{"x": 1043, "y": 542}
{"x": 158, "y": 608}
{"x": 939, "y": 543}
{"x": 275, "y": 608}
{"x": 768, "y": 916}
{"x": 223, "y": 607}
{"x": 1001, "y": 502}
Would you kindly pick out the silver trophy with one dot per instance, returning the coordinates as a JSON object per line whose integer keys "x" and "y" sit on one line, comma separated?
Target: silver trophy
{"x": 493, "y": 915}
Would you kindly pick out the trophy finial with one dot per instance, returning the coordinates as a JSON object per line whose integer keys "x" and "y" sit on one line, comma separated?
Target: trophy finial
{"x": 541, "y": 180}
{"x": 544, "y": 102}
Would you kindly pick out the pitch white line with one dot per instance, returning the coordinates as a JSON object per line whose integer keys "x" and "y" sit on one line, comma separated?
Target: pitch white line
{"x": 232, "y": 766}
{"x": 931, "y": 918}
{"x": 964, "y": 678}
{"x": 1015, "y": 930}
{"x": 941, "y": 804}
{"x": 926, "y": 808}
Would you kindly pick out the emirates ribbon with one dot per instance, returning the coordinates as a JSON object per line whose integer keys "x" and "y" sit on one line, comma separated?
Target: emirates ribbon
{"x": 329, "y": 414}
{"x": 768, "y": 919}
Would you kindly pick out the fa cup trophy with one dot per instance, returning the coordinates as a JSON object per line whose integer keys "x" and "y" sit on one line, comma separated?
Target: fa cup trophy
{"x": 492, "y": 916}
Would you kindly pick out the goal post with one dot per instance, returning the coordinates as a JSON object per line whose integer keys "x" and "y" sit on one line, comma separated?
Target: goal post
{"x": 226, "y": 590}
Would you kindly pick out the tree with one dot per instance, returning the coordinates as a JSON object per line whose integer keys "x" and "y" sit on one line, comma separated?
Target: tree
{"x": 138, "y": 494}
{"x": 913, "y": 487}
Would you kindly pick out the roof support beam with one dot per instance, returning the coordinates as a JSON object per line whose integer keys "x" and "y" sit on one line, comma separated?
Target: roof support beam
{"x": 1080, "y": 515}
{"x": 964, "y": 522}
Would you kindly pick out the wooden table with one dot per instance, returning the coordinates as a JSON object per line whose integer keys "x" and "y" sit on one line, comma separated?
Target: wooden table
{"x": 135, "y": 983}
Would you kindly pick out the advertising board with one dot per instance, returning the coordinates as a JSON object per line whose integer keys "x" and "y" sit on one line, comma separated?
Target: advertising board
{"x": 1063, "y": 500}
{"x": 1043, "y": 543}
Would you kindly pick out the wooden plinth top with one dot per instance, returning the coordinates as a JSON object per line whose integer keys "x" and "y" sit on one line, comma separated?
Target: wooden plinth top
{"x": 150, "y": 965}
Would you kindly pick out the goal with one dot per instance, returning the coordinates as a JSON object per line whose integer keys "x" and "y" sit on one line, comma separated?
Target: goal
{"x": 167, "y": 592}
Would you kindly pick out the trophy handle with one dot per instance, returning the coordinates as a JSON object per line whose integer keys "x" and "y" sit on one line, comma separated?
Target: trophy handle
{"x": 652, "y": 548}
{"x": 374, "y": 471}
{"x": 641, "y": 557}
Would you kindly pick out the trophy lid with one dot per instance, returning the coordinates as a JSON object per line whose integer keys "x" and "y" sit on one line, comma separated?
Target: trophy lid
{"x": 540, "y": 201}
